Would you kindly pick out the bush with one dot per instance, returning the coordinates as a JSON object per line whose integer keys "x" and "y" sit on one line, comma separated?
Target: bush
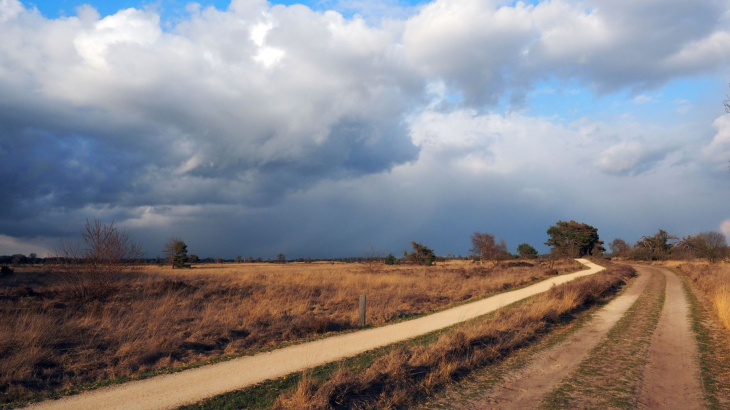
{"x": 6, "y": 271}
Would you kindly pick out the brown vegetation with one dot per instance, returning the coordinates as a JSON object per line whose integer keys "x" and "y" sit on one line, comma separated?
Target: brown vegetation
{"x": 714, "y": 281}
{"x": 411, "y": 373}
{"x": 51, "y": 337}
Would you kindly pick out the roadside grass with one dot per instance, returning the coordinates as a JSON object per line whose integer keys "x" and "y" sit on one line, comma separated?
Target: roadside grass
{"x": 409, "y": 373}
{"x": 713, "y": 341}
{"x": 54, "y": 344}
{"x": 484, "y": 379}
{"x": 714, "y": 282}
{"x": 609, "y": 376}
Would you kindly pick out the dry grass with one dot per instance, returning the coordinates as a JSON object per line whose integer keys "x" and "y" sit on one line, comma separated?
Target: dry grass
{"x": 50, "y": 339}
{"x": 714, "y": 281}
{"x": 409, "y": 374}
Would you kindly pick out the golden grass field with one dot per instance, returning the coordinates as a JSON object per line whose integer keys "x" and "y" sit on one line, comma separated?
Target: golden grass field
{"x": 159, "y": 318}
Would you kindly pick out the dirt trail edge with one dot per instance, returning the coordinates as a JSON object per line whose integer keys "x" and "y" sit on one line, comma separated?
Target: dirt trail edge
{"x": 525, "y": 387}
{"x": 189, "y": 386}
{"x": 672, "y": 374}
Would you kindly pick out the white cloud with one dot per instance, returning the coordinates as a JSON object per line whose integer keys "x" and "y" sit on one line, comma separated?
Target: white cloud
{"x": 642, "y": 99}
{"x": 128, "y": 26}
{"x": 725, "y": 227}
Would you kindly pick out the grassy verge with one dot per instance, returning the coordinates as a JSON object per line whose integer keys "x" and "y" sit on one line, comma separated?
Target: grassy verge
{"x": 714, "y": 350}
{"x": 609, "y": 376}
{"x": 409, "y": 373}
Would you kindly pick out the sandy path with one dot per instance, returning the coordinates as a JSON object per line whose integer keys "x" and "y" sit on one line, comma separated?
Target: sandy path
{"x": 172, "y": 390}
{"x": 525, "y": 388}
{"x": 672, "y": 374}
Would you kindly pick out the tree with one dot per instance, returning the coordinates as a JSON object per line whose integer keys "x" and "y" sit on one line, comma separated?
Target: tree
{"x": 280, "y": 258}
{"x": 573, "y": 239}
{"x": 486, "y": 247}
{"x": 390, "y": 259}
{"x": 711, "y": 246}
{"x": 176, "y": 252}
{"x": 238, "y": 258}
{"x": 656, "y": 247}
{"x": 103, "y": 253}
{"x": 193, "y": 258}
{"x": 526, "y": 251}
{"x": 373, "y": 256}
{"x": 619, "y": 247}
{"x": 421, "y": 255}
{"x": 19, "y": 259}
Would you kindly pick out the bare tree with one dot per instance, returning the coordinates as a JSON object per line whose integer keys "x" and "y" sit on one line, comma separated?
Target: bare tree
{"x": 485, "y": 245}
{"x": 280, "y": 258}
{"x": 176, "y": 252}
{"x": 103, "y": 253}
{"x": 619, "y": 247}
{"x": 712, "y": 246}
{"x": 373, "y": 258}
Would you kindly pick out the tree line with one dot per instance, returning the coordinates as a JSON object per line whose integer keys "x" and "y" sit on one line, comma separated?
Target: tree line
{"x": 708, "y": 245}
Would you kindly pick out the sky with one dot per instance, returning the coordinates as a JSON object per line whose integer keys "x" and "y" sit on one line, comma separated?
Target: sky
{"x": 253, "y": 128}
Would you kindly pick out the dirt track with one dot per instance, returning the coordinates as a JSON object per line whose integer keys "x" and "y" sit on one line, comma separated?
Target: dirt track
{"x": 525, "y": 387}
{"x": 666, "y": 368}
{"x": 671, "y": 378}
{"x": 173, "y": 390}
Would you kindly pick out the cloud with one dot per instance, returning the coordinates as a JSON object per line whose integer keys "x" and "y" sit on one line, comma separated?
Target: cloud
{"x": 642, "y": 99}
{"x": 12, "y": 246}
{"x": 629, "y": 158}
{"x": 243, "y": 126}
{"x": 718, "y": 150}
{"x": 725, "y": 227}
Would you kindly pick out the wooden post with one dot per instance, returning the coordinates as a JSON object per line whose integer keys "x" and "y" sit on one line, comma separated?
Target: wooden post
{"x": 362, "y": 310}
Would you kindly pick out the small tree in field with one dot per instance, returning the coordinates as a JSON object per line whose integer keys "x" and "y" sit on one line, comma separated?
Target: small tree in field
{"x": 619, "y": 247}
{"x": 486, "y": 247}
{"x": 103, "y": 254}
{"x": 526, "y": 251}
{"x": 177, "y": 253}
{"x": 421, "y": 255}
{"x": 373, "y": 257}
{"x": 390, "y": 259}
{"x": 711, "y": 246}
{"x": 280, "y": 258}
{"x": 238, "y": 258}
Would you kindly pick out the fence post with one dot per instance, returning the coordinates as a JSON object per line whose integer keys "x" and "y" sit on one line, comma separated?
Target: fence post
{"x": 362, "y": 310}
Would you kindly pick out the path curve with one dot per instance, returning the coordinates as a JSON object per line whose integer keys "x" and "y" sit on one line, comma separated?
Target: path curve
{"x": 525, "y": 388}
{"x": 189, "y": 386}
{"x": 672, "y": 374}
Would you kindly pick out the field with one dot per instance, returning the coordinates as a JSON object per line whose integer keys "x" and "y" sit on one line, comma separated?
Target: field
{"x": 160, "y": 319}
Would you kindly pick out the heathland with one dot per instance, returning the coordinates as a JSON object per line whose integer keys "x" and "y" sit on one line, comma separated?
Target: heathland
{"x": 159, "y": 319}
